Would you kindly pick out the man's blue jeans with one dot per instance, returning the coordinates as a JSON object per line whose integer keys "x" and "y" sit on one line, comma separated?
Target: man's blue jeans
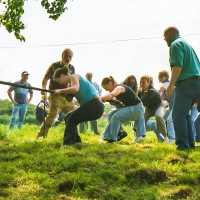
{"x": 126, "y": 114}
{"x": 194, "y": 113}
{"x": 18, "y": 112}
{"x": 197, "y": 127}
{"x": 170, "y": 126}
{"x": 185, "y": 94}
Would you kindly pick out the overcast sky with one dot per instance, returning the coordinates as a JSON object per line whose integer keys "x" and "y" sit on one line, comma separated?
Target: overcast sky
{"x": 108, "y": 37}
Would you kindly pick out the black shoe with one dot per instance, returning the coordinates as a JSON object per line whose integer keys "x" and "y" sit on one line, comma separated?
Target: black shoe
{"x": 121, "y": 135}
{"x": 192, "y": 146}
{"x": 111, "y": 141}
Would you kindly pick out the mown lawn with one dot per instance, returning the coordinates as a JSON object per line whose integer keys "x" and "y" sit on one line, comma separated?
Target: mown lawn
{"x": 47, "y": 170}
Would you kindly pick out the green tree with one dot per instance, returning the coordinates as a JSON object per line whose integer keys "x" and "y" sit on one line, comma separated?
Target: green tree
{"x": 14, "y": 9}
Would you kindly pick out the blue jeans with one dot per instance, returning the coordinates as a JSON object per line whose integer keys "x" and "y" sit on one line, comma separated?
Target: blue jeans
{"x": 170, "y": 126}
{"x": 197, "y": 127}
{"x": 126, "y": 114}
{"x": 18, "y": 111}
{"x": 185, "y": 94}
{"x": 152, "y": 126}
{"x": 94, "y": 126}
{"x": 194, "y": 113}
{"x": 159, "y": 113}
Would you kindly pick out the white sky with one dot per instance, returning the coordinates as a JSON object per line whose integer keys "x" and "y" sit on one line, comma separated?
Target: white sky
{"x": 97, "y": 21}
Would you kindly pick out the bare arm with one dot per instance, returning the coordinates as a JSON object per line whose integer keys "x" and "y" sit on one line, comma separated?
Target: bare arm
{"x": 73, "y": 89}
{"x": 44, "y": 82}
{"x": 161, "y": 89}
{"x": 29, "y": 100}
{"x": 114, "y": 93}
{"x": 10, "y": 97}
{"x": 176, "y": 71}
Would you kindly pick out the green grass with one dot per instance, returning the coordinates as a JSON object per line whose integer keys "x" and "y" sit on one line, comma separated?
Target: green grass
{"x": 45, "y": 169}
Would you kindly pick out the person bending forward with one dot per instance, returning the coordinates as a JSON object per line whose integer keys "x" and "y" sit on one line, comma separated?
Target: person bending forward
{"x": 133, "y": 110}
{"x": 91, "y": 107}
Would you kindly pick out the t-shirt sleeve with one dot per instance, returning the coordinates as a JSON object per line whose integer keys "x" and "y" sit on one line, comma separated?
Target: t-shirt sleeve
{"x": 176, "y": 55}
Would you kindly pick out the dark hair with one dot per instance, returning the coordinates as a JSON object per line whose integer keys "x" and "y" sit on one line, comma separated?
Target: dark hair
{"x": 128, "y": 83}
{"x": 60, "y": 71}
{"x": 106, "y": 81}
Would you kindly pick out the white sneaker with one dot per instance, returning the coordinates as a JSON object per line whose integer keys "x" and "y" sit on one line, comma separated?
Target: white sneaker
{"x": 172, "y": 141}
{"x": 167, "y": 140}
{"x": 138, "y": 140}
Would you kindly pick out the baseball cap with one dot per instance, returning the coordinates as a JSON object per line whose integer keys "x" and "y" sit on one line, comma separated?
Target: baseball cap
{"x": 25, "y": 73}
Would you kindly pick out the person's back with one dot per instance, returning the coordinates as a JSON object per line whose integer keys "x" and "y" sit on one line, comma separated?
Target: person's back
{"x": 42, "y": 110}
{"x": 91, "y": 108}
{"x": 94, "y": 123}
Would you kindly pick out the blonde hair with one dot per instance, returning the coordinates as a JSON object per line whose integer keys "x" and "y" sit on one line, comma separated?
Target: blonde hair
{"x": 163, "y": 73}
{"x": 149, "y": 79}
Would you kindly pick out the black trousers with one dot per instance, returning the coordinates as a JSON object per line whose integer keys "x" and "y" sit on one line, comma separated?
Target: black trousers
{"x": 90, "y": 111}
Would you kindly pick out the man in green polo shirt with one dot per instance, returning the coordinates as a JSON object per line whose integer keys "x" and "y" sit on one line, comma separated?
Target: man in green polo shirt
{"x": 185, "y": 68}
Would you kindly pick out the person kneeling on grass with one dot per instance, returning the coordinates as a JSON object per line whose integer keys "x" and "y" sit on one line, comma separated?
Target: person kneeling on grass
{"x": 91, "y": 107}
{"x": 132, "y": 110}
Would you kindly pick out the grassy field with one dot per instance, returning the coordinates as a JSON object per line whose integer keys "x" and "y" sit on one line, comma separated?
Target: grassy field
{"x": 47, "y": 170}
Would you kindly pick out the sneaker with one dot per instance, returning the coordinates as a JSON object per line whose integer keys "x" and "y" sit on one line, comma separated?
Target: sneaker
{"x": 39, "y": 135}
{"x": 111, "y": 141}
{"x": 102, "y": 141}
{"x": 172, "y": 141}
{"x": 167, "y": 140}
{"x": 121, "y": 135}
{"x": 106, "y": 140}
{"x": 138, "y": 140}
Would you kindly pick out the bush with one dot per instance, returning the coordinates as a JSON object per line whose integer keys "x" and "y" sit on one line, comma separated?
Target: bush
{"x": 3, "y": 132}
{"x": 4, "y": 119}
{"x": 30, "y": 119}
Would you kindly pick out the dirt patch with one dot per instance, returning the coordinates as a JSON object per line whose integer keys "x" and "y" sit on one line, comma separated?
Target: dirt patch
{"x": 70, "y": 185}
{"x": 174, "y": 159}
{"x": 182, "y": 192}
{"x": 64, "y": 197}
{"x": 146, "y": 176}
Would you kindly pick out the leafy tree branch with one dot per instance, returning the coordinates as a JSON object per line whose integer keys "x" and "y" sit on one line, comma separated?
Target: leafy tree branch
{"x": 14, "y": 9}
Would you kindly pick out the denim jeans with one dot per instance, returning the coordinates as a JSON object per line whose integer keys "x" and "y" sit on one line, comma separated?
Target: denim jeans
{"x": 90, "y": 111}
{"x": 159, "y": 114}
{"x": 94, "y": 126}
{"x": 194, "y": 113}
{"x": 170, "y": 126}
{"x": 126, "y": 114}
{"x": 197, "y": 127}
{"x": 18, "y": 112}
{"x": 152, "y": 126}
{"x": 185, "y": 94}
{"x": 83, "y": 126}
